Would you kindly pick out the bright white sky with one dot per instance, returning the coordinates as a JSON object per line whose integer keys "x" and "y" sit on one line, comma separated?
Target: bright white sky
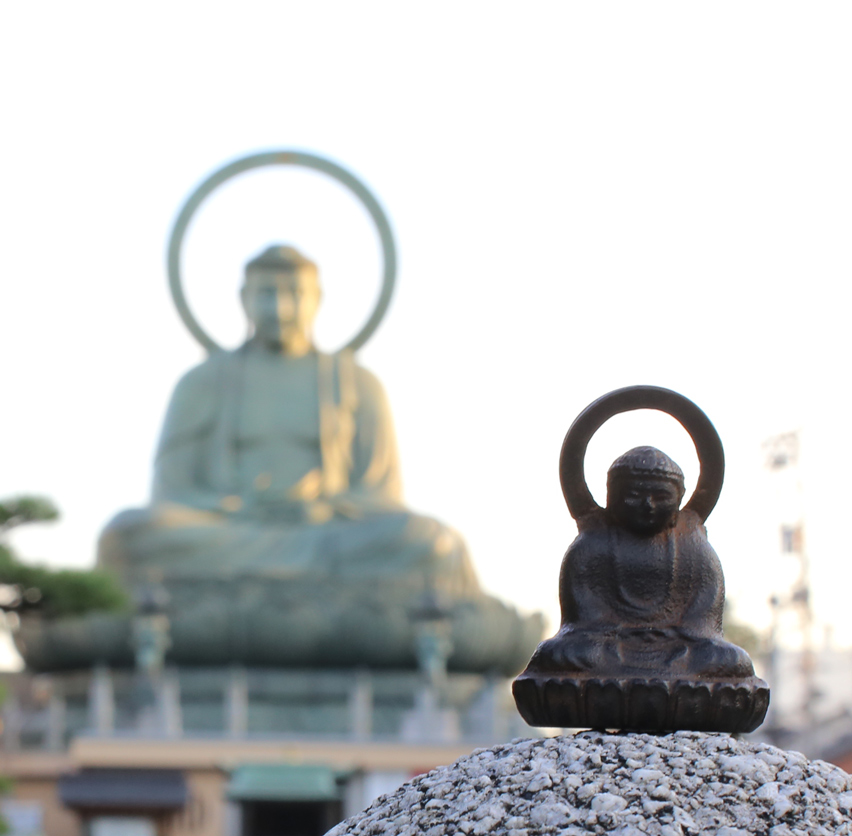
{"x": 585, "y": 196}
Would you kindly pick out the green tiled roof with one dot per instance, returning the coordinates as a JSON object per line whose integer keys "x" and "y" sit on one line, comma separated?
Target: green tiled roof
{"x": 283, "y": 782}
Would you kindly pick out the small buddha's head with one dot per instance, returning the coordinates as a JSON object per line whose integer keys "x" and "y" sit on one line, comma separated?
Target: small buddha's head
{"x": 644, "y": 490}
{"x": 281, "y": 296}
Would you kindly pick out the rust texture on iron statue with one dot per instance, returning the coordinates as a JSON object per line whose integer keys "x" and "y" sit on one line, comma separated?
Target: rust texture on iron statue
{"x": 640, "y": 646}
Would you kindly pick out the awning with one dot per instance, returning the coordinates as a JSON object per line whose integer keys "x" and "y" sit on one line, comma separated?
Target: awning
{"x": 126, "y": 789}
{"x": 283, "y": 782}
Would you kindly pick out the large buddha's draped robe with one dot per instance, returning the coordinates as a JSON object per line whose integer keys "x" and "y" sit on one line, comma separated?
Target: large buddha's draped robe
{"x": 282, "y": 466}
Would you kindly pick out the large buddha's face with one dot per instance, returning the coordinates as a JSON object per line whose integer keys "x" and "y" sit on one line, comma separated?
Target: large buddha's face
{"x": 644, "y": 504}
{"x": 282, "y": 306}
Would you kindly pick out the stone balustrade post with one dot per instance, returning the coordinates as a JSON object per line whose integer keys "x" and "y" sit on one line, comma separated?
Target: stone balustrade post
{"x": 101, "y": 701}
{"x": 236, "y": 702}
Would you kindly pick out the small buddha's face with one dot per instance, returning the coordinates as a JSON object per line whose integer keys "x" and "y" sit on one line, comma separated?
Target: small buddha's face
{"x": 644, "y": 504}
{"x": 282, "y": 306}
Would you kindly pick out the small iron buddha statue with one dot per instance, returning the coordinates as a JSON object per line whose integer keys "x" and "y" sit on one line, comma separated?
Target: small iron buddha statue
{"x": 642, "y": 595}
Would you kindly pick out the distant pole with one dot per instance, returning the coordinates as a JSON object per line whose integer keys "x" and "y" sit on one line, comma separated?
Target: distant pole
{"x": 783, "y": 453}
{"x": 773, "y": 717}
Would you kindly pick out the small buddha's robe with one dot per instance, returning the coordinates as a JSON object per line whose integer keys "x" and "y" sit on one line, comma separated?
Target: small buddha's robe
{"x": 282, "y": 467}
{"x": 634, "y": 605}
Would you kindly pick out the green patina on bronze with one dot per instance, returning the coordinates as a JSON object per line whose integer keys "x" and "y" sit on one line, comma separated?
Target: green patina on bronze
{"x": 276, "y": 522}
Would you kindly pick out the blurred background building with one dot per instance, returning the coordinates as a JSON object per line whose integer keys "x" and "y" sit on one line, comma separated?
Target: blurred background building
{"x": 233, "y": 750}
{"x": 562, "y": 177}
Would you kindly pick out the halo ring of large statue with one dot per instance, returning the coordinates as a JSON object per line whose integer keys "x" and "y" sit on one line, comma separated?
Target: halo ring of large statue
{"x": 708, "y": 445}
{"x": 303, "y": 160}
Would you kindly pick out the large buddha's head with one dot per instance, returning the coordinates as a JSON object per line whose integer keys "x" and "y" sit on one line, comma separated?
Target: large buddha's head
{"x": 281, "y": 296}
{"x": 644, "y": 490}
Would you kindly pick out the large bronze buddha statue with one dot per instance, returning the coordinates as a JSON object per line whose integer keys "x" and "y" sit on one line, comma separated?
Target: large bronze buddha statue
{"x": 277, "y": 461}
{"x": 276, "y": 523}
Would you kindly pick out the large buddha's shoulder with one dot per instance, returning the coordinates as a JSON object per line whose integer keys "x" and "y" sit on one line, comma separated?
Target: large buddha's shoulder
{"x": 196, "y": 396}
{"x": 367, "y": 385}
{"x": 209, "y": 372}
{"x": 367, "y": 380}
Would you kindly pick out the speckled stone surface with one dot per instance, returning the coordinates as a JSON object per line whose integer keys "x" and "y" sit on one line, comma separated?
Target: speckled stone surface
{"x": 628, "y": 784}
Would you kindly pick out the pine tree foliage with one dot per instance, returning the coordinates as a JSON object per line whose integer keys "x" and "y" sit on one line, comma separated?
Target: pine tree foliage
{"x": 52, "y": 593}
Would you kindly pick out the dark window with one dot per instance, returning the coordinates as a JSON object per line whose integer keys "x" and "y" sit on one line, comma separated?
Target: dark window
{"x": 287, "y": 818}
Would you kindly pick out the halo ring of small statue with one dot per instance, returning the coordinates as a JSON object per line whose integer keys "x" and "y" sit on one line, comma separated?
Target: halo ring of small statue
{"x": 303, "y": 160}
{"x": 708, "y": 445}
{"x": 640, "y": 646}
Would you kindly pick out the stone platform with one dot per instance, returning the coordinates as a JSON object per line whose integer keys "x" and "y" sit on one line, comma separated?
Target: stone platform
{"x": 678, "y": 784}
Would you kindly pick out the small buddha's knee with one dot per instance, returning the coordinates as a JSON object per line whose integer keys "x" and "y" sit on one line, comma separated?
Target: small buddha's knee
{"x": 566, "y": 652}
{"x": 714, "y": 657}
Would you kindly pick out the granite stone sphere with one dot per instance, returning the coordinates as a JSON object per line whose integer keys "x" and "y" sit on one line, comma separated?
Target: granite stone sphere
{"x": 679, "y": 784}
